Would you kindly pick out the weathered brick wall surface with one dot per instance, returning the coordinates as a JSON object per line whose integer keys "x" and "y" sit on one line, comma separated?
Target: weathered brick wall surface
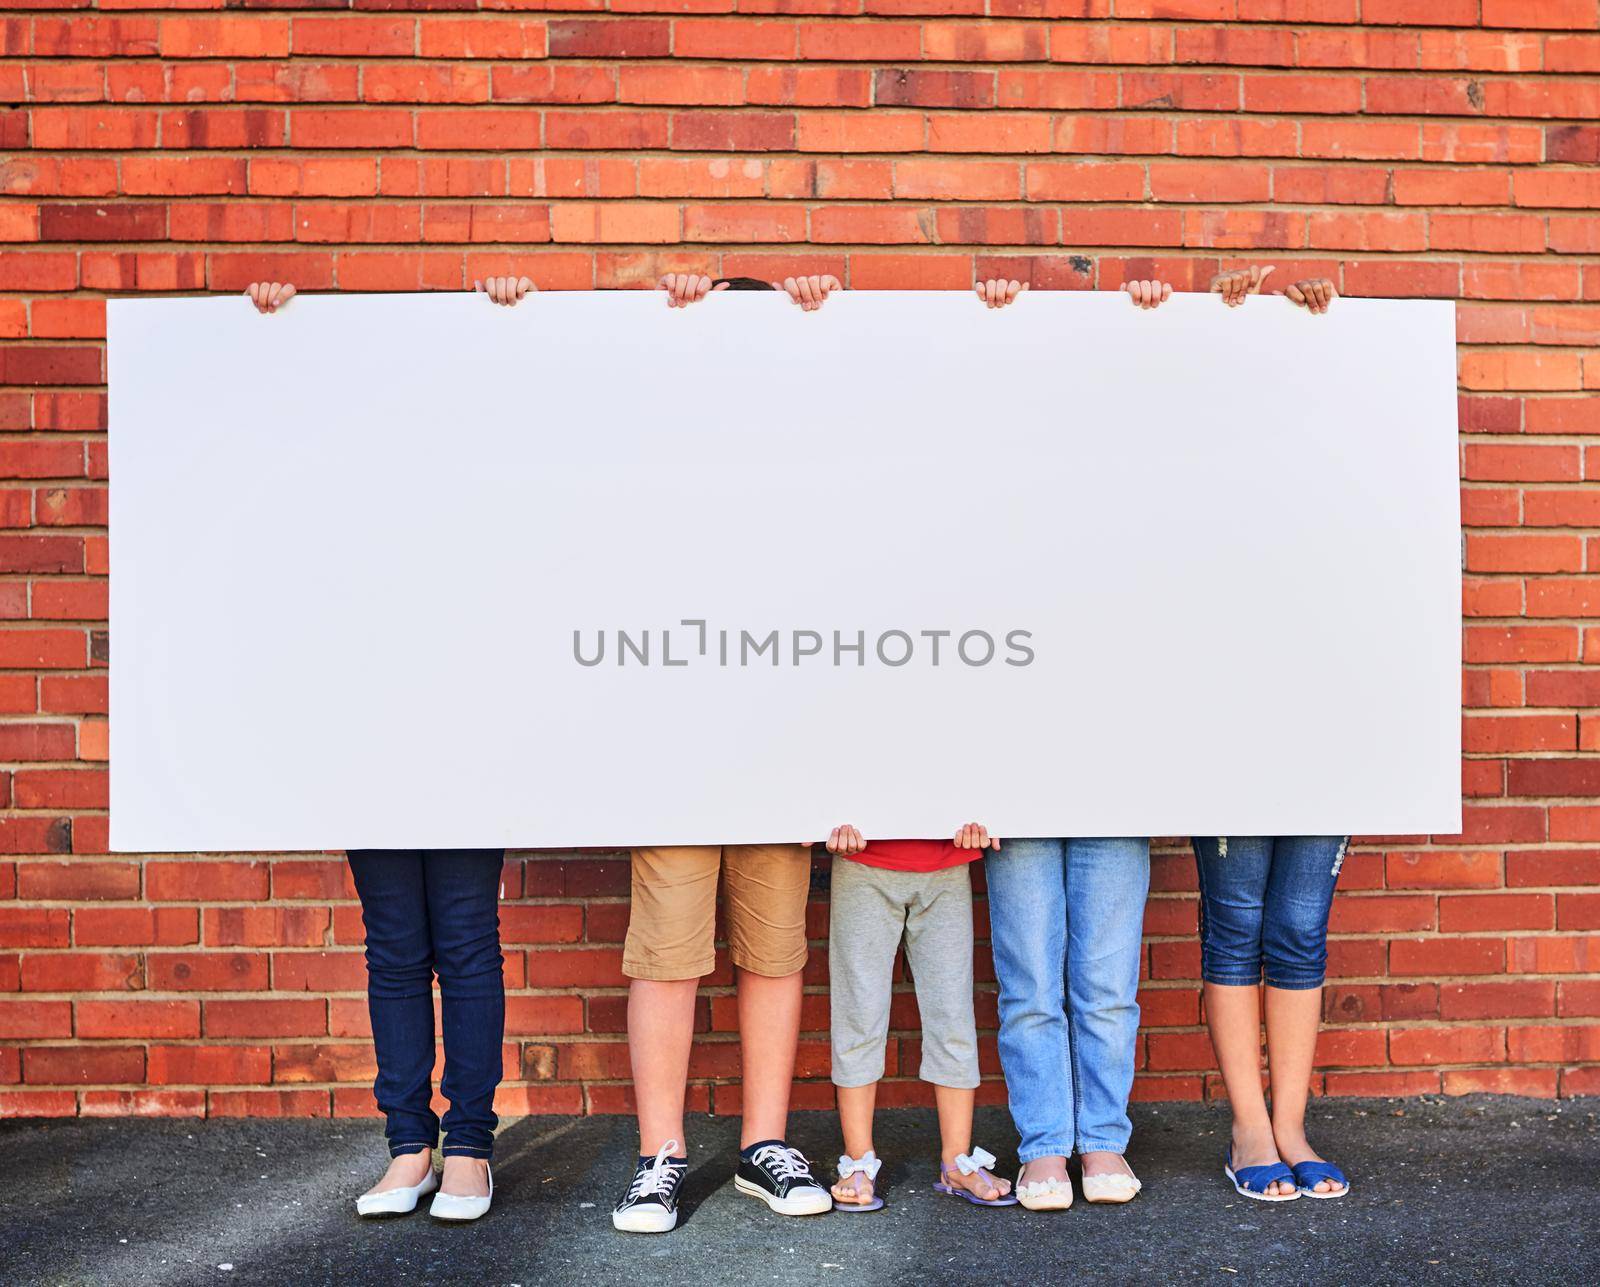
{"x": 1440, "y": 148}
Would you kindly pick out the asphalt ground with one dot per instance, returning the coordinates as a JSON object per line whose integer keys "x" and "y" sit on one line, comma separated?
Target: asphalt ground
{"x": 1459, "y": 1190}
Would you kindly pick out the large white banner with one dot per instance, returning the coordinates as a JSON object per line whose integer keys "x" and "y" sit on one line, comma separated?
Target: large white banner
{"x": 415, "y": 571}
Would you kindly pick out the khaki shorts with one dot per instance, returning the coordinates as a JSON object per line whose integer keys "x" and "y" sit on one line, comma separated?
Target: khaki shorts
{"x": 672, "y": 923}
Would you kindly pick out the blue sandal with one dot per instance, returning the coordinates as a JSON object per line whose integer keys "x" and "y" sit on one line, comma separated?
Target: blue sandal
{"x": 1307, "y": 1175}
{"x": 1252, "y": 1181}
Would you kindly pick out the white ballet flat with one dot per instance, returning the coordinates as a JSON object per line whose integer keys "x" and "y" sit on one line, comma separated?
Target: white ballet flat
{"x": 456, "y": 1206}
{"x": 393, "y": 1202}
{"x": 1111, "y": 1188}
{"x": 1044, "y": 1195}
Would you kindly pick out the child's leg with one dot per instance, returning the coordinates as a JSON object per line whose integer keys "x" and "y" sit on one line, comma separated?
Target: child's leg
{"x": 463, "y": 915}
{"x": 660, "y": 1034}
{"x": 1233, "y": 880}
{"x": 394, "y": 909}
{"x": 1299, "y": 897}
{"x": 866, "y": 919}
{"x": 769, "y": 1035}
{"x": 1028, "y": 933}
{"x": 955, "y": 1104}
{"x": 1108, "y": 880}
{"x": 765, "y": 888}
{"x": 856, "y": 1107}
{"x": 939, "y": 951}
{"x": 671, "y": 923}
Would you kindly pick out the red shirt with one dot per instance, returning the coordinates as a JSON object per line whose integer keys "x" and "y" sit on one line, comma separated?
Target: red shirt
{"x": 914, "y": 855}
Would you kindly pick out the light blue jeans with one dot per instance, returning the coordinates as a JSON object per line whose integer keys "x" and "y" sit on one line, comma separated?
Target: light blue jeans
{"x": 1066, "y": 920}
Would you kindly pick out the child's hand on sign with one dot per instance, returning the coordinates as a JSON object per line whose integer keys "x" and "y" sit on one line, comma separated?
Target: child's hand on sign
{"x": 504, "y": 290}
{"x": 1148, "y": 294}
{"x": 808, "y": 292}
{"x": 976, "y": 836}
{"x": 684, "y": 289}
{"x": 269, "y": 297}
{"x": 1234, "y": 286}
{"x": 845, "y": 841}
{"x": 997, "y": 292}
{"x": 1314, "y": 294}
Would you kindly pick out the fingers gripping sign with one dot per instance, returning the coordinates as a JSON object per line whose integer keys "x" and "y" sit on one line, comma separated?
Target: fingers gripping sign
{"x": 1315, "y": 295}
{"x": 1234, "y": 286}
{"x": 269, "y": 297}
{"x": 505, "y": 291}
{"x": 1148, "y": 294}
{"x": 683, "y": 289}
{"x": 997, "y": 292}
{"x": 809, "y": 292}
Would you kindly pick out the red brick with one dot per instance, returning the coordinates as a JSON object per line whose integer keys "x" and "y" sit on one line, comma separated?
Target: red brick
{"x": 1435, "y": 869}
{"x": 129, "y": 1018}
{"x": 269, "y": 1103}
{"x": 206, "y": 971}
{"x": 1529, "y": 1082}
{"x": 134, "y": 926}
{"x": 208, "y": 1065}
{"x": 81, "y": 971}
{"x": 266, "y": 1018}
{"x": 1446, "y": 956}
{"x": 82, "y": 1065}
{"x": 77, "y": 881}
{"x": 1469, "y": 913}
{"x": 191, "y": 880}
{"x": 1455, "y": 1045}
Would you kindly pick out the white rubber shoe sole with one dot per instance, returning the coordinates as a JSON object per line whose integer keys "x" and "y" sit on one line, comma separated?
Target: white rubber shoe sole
{"x": 815, "y": 1202}
{"x": 1243, "y": 1192}
{"x": 651, "y": 1219}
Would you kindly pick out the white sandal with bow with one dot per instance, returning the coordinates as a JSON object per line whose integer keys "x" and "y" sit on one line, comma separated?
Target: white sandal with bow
{"x": 974, "y": 1163}
{"x": 867, "y": 1166}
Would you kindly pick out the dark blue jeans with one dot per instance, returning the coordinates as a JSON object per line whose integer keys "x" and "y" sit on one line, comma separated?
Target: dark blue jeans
{"x": 431, "y": 911}
{"x": 1264, "y": 904}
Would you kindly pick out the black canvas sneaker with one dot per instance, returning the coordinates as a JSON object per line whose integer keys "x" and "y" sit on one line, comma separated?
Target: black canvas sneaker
{"x": 651, "y": 1202}
{"x": 781, "y": 1177}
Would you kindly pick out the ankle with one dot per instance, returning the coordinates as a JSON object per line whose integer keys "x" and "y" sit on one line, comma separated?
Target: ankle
{"x": 1290, "y": 1136}
{"x": 649, "y": 1146}
{"x": 859, "y": 1148}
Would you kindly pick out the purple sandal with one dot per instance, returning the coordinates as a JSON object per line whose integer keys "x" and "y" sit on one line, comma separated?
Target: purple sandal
{"x": 973, "y": 1163}
{"x": 867, "y": 1164}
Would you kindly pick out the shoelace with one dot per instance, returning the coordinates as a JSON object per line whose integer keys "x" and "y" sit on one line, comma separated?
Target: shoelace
{"x": 656, "y": 1177}
{"x": 782, "y": 1162}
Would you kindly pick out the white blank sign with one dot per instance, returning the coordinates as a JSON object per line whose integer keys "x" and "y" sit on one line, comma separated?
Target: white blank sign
{"x": 360, "y": 546}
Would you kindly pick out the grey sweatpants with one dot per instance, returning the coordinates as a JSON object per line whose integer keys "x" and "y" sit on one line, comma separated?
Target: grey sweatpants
{"x": 871, "y": 910}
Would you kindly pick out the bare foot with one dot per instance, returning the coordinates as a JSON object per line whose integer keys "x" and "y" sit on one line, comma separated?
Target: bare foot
{"x": 1294, "y": 1148}
{"x": 1043, "y": 1169}
{"x": 465, "y": 1177}
{"x": 1105, "y": 1164}
{"x": 855, "y": 1190}
{"x": 1257, "y": 1148}
{"x": 980, "y": 1183}
{"x": 405, "y": 1172}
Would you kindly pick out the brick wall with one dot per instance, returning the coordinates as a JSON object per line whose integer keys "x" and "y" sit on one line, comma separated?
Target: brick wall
{"x": 1440, "y": 148}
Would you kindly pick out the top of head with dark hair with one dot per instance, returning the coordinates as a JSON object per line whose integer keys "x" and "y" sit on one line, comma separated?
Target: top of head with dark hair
{"x": 743, "y": 283}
